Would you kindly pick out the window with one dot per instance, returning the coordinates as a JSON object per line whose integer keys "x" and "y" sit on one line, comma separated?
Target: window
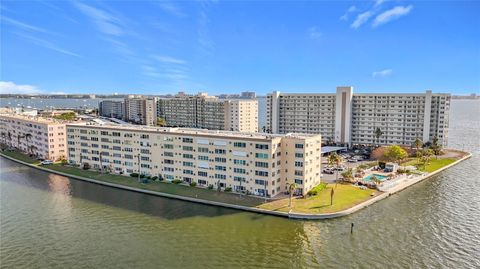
{"x": 220, "y": 176}
{"x": 239, "y": 144}
{"x": 168, "y": 154}
{"x": 168, "y": 146}
{"x": 298, "y": 181}
{"x": 187, "y": 164}
{"x": 299, "y": 146}
{"x": 203, "y": 150}
{"x": 239, "y": 170}
{"x": 261, "y": 146}
{"x": 298, "y": 155}
{"x": 188, "y": 172}
{"x": 298, "y": 164}
{"x": 187, "y": 140}
{"x": 259, "y": 181}
{"x": 220, "y": 168}
{"x": 202, "y": 158}
{"x": 242, "y": 179}
{"x": 298, "y": 173}
{"x": 169, "y": 169}
{"x": 220, "y": 160}
{"x": 261, "y": 173}
{"x": 261, "y": 164}
{"x": 202, "y": 174}
{"x": 220, "y": 151}
{"x": 261, "y": 155}
{"x": 240, "y": 162}
{"x": 187, "y": 156}
{"x": 187, "y": 148}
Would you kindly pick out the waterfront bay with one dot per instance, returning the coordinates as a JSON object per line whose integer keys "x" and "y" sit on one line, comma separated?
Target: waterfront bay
{"x": 49, "y": 221}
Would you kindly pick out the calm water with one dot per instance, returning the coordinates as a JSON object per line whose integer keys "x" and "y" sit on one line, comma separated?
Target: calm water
{"x": 49, "y": 221}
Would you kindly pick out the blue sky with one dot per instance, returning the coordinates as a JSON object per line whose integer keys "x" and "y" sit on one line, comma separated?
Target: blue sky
{"x": 158, "y": 47}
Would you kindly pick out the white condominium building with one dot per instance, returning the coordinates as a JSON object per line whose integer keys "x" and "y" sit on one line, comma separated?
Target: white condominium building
{"x": 209, "y": 112}
{"x": 42, "y": 137}
{"x": 348, "y": 118}
{"x": 255, "y": 163}
{"x": 141, "y": 111}
{"x": 111, "y": 109}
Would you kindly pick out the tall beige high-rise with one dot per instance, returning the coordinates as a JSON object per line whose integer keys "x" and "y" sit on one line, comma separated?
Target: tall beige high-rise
{"x": 209, "y": 112}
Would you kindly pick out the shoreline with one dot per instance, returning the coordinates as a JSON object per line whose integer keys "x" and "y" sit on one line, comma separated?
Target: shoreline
{"x": 291, "y": 215}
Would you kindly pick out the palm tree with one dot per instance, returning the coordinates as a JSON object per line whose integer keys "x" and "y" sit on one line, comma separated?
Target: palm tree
{"x": 376, "y": 180}
{"x": 336, "y": 159}
{"x": 378, "y": 134}
{"x": 28, "y": 137}
{"x": 19, "y": 136}
{"x": 418, "y": 143}
{"x": 161, "y": 122}
{"x": 291, "y": 189}
{"x": 10, "y": 138}
{"x": 348, "y": 175}
{"x": 33, "y": 149}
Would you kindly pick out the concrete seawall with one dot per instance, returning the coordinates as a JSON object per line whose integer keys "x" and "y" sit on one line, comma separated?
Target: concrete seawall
{"x": 291, "y": 215}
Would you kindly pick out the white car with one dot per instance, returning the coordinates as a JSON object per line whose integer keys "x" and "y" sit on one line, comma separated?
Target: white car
{"x": 46, "y": 162}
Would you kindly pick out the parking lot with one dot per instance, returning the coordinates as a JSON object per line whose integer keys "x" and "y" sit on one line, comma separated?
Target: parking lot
{"x": 330, "y": 178}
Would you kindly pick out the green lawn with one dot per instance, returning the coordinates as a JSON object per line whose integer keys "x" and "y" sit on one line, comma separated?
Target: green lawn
{"x": 433, "y": 165}
{"x": 21, "y": 157}
{"x": 345, "y": 196}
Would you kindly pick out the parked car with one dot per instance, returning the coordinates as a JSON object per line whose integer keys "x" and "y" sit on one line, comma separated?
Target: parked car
{"x": 328, "y": 171}
{"x": 46, "y": 162}
{"x": 352, "y": 160}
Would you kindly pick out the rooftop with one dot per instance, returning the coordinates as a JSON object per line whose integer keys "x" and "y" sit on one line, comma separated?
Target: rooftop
{"x": 33, "y": 119}
{"x": 192, "y": 131}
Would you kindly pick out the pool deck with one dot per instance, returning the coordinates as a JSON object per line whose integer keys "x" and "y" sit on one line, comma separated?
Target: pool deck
{"x": 292, "y": 215}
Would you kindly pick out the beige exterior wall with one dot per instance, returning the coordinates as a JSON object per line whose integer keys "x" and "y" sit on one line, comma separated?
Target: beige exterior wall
{"x": 241, "y": 161}
{"x": 141, "y": 110}
{"x": 242, "y": 116}
{"x": 48, "y": 136}
{"x": 208, "y": 112}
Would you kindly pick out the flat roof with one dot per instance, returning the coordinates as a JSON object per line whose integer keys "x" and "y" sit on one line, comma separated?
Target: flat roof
{"x": 37, "y": 119}
{"x": 329, "y": 149}
{"x": 192, "y": 131}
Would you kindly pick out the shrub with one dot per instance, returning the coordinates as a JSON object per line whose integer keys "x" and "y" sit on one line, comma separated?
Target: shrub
{"x": 210, "y": 187}
{"x": 228, "y": 189}
{"x": 317, "y": 189}
{"x": 142, "y": 175}
{"x": 193, "y": 184}
{"x": 160, "y": 178}
{"x": 154, "y": 178}
{"x": 176, "y": 181}
{"x": 134, "y": 174}
{"x": 86, "y": 166}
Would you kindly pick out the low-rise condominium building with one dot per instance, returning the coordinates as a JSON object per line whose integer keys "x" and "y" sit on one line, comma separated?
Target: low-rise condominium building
{"x": 41, "y": 137}
{"x": 260, "y": 164}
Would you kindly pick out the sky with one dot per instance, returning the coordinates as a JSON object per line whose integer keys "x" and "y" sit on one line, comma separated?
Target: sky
{"x": 160, "y": 47}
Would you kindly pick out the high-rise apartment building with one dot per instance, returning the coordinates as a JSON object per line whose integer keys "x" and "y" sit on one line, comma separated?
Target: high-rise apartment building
{"x": 209, "y": 112}
{"x": 257, "y": 163}
{"x": 348, "y": 118}
{"x": 111, "y": 109}
{"x": 42, "y": 137}
{"x": 141, "y": 110}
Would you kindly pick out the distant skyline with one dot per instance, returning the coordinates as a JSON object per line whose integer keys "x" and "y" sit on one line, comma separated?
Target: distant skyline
{"x": 161, "y": 47}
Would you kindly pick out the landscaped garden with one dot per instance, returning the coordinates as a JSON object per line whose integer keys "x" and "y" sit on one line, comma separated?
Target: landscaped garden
{"x": 344, "y": 197}
{"x": 431, "y": 166}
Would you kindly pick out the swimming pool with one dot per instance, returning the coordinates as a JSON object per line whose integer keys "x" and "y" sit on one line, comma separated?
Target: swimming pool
{"x": 380, "y": 177}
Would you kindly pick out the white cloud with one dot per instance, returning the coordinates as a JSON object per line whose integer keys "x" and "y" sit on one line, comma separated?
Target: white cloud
{"x": 382, "y": 73}
{"x": 47, "y": 44}
{"x": 361, "y": 19}
{"x": 314, "y": 33}
{"x": 169, "y": 60}
{"x": 351, "y": 9}
{"x": 9, "y": 87}
{"x": 171, "y": 8}
{"x": 23, "y": 25}
{"x": 391, "y": 14}
{"x": 379, "y": 2}
{"x": 105, "y": 22}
